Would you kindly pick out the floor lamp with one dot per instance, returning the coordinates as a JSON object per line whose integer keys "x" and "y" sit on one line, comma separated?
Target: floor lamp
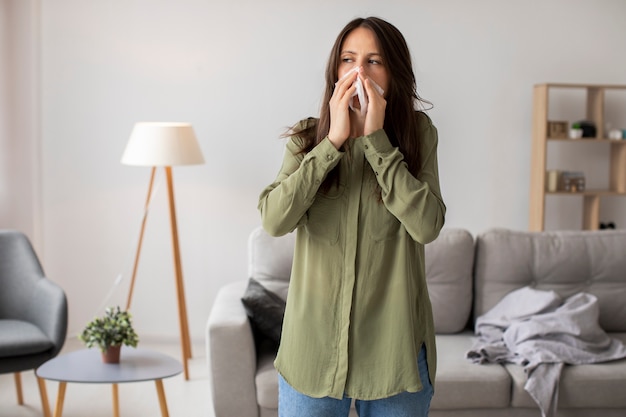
{"x": 164, "y": 145}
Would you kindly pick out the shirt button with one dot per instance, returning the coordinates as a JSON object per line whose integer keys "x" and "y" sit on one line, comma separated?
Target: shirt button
{"x": 329, "y": 157}
{"x": 367, "y": 147}
{"x": 377, "y": 173}
{"x": 380, "y": 161}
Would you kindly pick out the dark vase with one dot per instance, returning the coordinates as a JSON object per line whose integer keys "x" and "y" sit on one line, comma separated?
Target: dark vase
{"x": 112, "y": 354}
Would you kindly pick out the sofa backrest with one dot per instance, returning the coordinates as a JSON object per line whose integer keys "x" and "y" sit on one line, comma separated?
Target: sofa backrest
{"x": 270, "y": 258}
{"x": 566, "y": 262}
{"x": 449, "y": 262}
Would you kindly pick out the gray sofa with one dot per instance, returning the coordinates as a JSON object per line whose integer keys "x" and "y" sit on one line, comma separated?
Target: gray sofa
{"x": 466, "y": 276}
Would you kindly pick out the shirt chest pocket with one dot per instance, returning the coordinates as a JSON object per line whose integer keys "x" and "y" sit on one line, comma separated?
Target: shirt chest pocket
{"x": 381, "y": 224}
{"x": 324, "y": 215}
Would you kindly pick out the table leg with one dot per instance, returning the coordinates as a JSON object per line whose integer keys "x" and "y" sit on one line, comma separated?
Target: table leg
{"x": 43, "y": 393}
{"x": 58, "y": 409}
{"x": 116, "y": 402}
{"x": 161, "y": 393}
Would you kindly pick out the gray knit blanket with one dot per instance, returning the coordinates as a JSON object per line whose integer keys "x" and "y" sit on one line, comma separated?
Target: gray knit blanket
{"x": 541, "y": 332}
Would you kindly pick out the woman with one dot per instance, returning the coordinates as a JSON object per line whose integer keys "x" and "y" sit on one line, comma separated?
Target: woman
{"x": 360, "y": 184}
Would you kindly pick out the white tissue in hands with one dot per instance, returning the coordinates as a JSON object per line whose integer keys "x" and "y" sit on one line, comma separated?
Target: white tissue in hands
{"x": 360, "y": 93}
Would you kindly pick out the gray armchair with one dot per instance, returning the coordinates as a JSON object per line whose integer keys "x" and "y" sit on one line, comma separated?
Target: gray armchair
{"x": 33, "y": 312}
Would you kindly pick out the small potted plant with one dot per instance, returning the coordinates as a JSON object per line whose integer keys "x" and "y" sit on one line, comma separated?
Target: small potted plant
{"x": 576, "y": 132}
{"x": 109, "y": 333}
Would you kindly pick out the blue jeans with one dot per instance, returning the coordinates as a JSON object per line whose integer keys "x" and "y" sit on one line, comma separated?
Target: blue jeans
{"x": 292, "y": 403}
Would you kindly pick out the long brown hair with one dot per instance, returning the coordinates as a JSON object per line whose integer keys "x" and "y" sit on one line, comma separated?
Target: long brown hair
{"x": 400, "y": 118}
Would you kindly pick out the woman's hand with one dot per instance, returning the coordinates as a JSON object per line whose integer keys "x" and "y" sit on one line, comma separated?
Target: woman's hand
{"x": 339, "y": 130}
{"x": 375, "y": 117}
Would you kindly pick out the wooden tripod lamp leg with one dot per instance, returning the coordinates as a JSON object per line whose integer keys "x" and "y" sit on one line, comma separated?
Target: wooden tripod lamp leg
{"x": 178, "y": 270}
{"x": 180, "y": 290}
{"x": 143, "y": 227}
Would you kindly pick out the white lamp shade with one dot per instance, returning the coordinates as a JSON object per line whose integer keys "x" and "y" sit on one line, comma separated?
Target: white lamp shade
{"x": 162, "y": 144}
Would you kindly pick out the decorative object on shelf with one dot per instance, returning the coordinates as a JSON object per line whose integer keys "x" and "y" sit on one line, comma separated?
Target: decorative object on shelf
{"x": 573, "y": 181}
{"x": 615, "y": 134}
{"x": 589, "y": 128}
{"x": 609, "y": 225}
{"x": 557, "y": 130}
{"x": 552, "y": 180}
{"x": 109, "y": 333}
{"x": 165, "y": 145}
{"x": 576, "y": 131}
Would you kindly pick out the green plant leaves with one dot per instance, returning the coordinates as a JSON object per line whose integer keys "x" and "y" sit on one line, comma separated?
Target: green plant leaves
{"x": 113, "y": 329}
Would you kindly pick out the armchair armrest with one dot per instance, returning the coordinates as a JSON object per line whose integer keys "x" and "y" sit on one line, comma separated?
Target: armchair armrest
{"x": 232, "y": 355}
{"x": 48, "y": 310}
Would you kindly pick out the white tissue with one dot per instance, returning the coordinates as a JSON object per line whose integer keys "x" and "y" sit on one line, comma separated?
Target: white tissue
{"x": 360, "y": 93}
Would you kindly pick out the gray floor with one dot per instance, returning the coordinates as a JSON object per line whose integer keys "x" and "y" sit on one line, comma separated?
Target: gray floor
{"x": 184, "y": 398}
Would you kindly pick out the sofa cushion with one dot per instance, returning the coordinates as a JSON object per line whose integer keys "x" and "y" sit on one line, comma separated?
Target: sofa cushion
{"x": 461, "y": 384}
{"x": 266, "y": 380}
{"x": 265, "y": 310}
{"x": 270, "y": 259}
{"x": 567, "y": 262}
{"x": 600, "y": 385}
{"x": 449, "y": 263}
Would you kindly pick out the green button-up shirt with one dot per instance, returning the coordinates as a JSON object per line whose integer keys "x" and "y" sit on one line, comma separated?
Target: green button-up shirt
{"x": 358, "y": 308}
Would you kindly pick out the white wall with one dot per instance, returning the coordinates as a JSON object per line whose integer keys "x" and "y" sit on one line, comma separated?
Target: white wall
{"x": 19, "y": 128}
{"x": 241, "y": 71}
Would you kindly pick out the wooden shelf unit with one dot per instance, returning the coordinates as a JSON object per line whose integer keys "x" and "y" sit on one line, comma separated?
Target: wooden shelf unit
{"x": 595, "y": 102}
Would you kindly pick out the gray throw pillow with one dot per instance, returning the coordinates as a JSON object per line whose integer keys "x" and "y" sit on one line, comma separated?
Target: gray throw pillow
{"x": 265, "y": 310}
